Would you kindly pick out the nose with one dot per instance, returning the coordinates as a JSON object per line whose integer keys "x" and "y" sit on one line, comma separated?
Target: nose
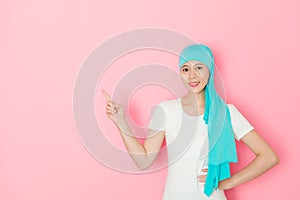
{"x": 192, "y": 73}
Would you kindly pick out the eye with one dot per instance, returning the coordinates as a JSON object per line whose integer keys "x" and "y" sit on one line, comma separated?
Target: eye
{"x": 199, "y": 67}
{"x": 185, "y": 69}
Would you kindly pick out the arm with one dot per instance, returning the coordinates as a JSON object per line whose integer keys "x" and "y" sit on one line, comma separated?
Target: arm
{"x": 265, "y": 159}
{"x": 142, "y": 155}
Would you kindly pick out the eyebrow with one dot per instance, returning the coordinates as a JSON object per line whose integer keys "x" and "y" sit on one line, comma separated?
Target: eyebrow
{"x": 194, "y": 65}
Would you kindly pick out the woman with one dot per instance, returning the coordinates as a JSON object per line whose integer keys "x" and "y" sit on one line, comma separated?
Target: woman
{"x": 214, "y": 124}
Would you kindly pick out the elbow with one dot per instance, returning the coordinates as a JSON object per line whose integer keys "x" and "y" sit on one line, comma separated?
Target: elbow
{"x": 276, "y": 160}
{"x": 143, "y": 168}
{"x": 140, "y": 168}
{"x": 270, "y": 158}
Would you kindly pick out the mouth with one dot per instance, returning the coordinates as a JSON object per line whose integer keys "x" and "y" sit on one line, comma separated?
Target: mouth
{"x": 194, "y": 84}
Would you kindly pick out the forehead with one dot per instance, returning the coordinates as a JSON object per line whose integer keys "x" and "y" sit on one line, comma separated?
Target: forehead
{"x": 193, "y": 63}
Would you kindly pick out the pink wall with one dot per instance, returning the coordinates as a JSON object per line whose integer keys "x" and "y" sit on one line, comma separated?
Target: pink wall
{"x": 256, "y": 45}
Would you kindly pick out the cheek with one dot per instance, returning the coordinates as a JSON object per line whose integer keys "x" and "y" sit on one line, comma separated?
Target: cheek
{"x": 183, "y": 77}
{"x": 207, "y": 73}
{"x": 204, "y": 75}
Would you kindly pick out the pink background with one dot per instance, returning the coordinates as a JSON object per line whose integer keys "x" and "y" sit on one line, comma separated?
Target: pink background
{"x": 43, "y": 44}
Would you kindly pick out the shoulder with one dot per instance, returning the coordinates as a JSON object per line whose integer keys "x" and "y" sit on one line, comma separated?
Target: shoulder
{"x": 234, "y": 111}
{"x": 170, "y": 106}
{"x": 232, "y": 107}
{"x": 169, "y": 103}
{"x": 236, "y": 114}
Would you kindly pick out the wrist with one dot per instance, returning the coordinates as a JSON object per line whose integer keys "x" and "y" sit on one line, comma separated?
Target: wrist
{"x": 122, "y": 125}
{"x": 232, "y": 182}
{"x": 226, "y": 184}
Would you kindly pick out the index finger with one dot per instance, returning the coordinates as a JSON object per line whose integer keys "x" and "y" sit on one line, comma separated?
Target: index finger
{"x": 106, "y": 94}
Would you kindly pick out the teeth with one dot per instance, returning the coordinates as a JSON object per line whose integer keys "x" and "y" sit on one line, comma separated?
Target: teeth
{"x": 194, "y": 83}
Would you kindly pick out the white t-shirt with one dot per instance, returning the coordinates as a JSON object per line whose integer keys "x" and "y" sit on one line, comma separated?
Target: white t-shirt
{"x": 187, "y": 146}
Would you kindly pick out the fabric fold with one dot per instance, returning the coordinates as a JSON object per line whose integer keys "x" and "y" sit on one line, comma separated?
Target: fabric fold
{"x": 222, "y": 148}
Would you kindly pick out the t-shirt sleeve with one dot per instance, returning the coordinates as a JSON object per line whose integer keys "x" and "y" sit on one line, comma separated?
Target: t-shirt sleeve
{"x": 240, "y": 125}
{"x": 158, "y": 118}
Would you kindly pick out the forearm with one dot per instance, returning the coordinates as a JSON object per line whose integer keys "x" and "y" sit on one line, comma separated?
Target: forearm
{"x": 257, "y": 167}
{"x": 135, "y": 149}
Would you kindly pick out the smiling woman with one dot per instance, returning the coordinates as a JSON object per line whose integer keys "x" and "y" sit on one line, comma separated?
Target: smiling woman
{"x": 207, "y": 124}
{"x": 194, "y": 74}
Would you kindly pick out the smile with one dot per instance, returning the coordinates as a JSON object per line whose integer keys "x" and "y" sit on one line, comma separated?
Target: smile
{"x": 194, "y": 84}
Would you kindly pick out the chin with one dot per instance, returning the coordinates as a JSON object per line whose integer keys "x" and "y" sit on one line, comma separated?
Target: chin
{"x": 196, "y": 91}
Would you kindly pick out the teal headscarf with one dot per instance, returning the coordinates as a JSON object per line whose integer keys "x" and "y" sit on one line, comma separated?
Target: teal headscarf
{"x": 222, "y": 149}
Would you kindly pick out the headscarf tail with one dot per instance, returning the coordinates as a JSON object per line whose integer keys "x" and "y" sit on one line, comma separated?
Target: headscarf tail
{"x": 222, "y": 149}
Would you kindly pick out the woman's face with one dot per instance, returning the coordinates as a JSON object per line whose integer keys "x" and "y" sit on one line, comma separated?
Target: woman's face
{"x": 194, "y": 75}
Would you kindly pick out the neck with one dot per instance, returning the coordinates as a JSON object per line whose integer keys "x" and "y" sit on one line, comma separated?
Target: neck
{"x": 197, "y": 99}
